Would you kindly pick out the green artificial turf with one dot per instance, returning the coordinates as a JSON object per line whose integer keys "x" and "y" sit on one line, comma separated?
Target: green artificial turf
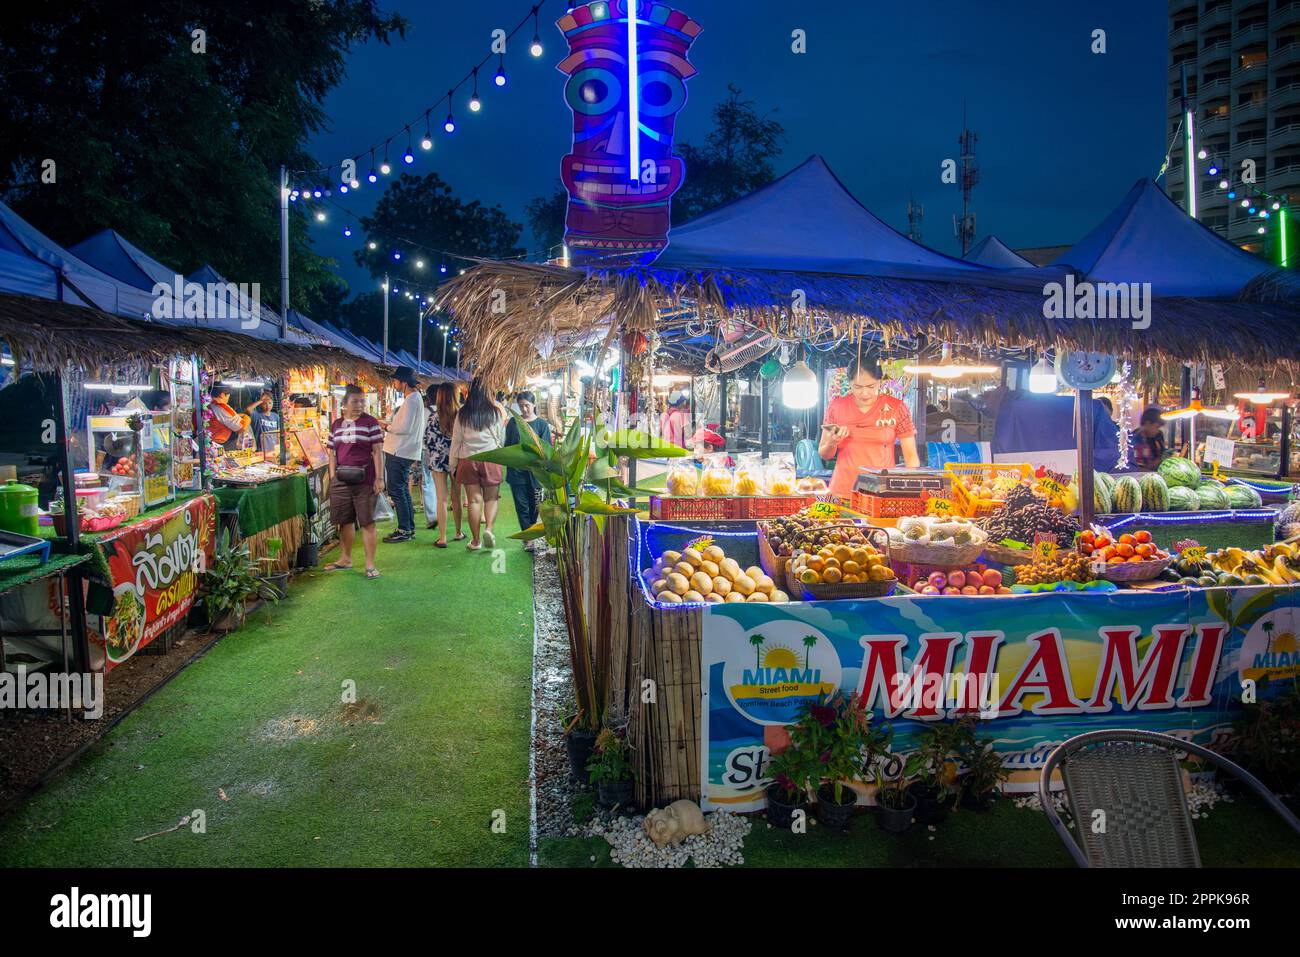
{"x": 1243, "y": 833}
{"x": 440, "y": 650}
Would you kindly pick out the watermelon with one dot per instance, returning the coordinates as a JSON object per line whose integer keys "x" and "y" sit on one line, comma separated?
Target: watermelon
{"x": 1212, "y": 496}
{"x": 1179, "y": 471}
{"x": 1243, "y": 496}
{"x": 1128, "y": 495}
{"x": 1155, "y": 493}
{"x": 1105, "y": 478}
{"x": 1183, "y": 499}
{"x": 1102, "y": 503}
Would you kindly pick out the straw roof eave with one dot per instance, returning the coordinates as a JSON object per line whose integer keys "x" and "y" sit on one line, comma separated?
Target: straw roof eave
{"x": 504, "y": 309}
{"x": 49, "y": 336}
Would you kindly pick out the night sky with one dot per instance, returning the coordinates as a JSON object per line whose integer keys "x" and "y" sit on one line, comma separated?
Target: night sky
{"x": 1063, "y": 133}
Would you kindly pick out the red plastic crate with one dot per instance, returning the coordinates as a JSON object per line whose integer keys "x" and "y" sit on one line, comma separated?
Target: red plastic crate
{"x": 886, "y": 506}
{"x": 773, "y": 506}
{"x": 673, "y": 509}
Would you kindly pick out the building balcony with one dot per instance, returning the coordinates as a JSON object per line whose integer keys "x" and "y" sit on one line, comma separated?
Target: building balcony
{"x": 1185, "y": 34}
{"x": 1209, "y": 126}
{"x": 1284, "y": 136}
{"x": 1284, "y": 179}
{"x": 1254, "y": 109}
{"x": 1215, "y": 16}
{"x": 1285, "y": 15}
{"x": 1212, "y": 88}
{"x": 1214, "y": 52}
{"x": 1255, "y": 33}
{"x": 1284, "y": 56}
{"x": 1249, "y": 72}
{"x": 1243, "y": 229}
{"x": 1284, "y": 96}
{"x": 1178, "y": 6}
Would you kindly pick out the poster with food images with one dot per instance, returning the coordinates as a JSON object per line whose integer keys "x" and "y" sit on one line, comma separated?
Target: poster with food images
{"x": 1037, "y": 668}
{"x": 155, "y": 567}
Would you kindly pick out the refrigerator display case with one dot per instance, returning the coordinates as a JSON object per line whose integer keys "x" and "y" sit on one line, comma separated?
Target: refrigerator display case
{"x": 133, "y": 453}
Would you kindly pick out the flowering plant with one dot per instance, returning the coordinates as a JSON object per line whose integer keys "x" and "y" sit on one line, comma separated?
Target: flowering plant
{"x": 608, "y": 763}
{"x": 833, "y": 741}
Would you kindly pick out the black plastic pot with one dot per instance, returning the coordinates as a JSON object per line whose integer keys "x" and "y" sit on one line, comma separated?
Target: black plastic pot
{"x": 830, "y": 813}
{"x": 929, "y": 809}
{"x": 895, "y": 820}
{"x": 615, "y": 793}
{"x": 779, "y": 812}
{"x": 579, "y": 745}
{"x": 979, "y": 803}
{"x": 198, "y": 614}
{"x": 274, "y": 587}
{"x": 308, "y": 555}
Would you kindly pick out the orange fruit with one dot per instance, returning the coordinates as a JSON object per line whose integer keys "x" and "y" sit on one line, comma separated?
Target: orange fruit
{"x": 832, "y": 575}
{"x": 843, "y": 553}
{"x": 851, "y": 567}
{"x": 809, "y": 577}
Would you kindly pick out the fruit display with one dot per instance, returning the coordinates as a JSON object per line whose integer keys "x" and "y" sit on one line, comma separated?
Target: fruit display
{"x": 1277, "y": 564}
{"x": 1099, "y": 545}
{"x": 124, "y": 466}
{"x": 988, "y": 488}
{"x": 979, "y": 580}
{"x": 1243, "y": 496}
{"x": 702, "y": 572}
{"x": 1177, "y": 471}
{"x": 717, "y": 482}
{"x": 1155, "y": 493}
{"x": 808, "y": 485}
{"x": 932, "y": 530}
{"x": 780, "y": 480}
{"x": 850, "y": 564}
{"x": 1065, "y": 565}
{"x": 1183, "y": 499}
{"x": 682, "y": 481}
{"x": 748, "y": 480}
{"x": 805, "y": 531}
{"x": 1103, "y": 492}
{"x": 1288, "y": 521}
{"x": 1026, "y": 515}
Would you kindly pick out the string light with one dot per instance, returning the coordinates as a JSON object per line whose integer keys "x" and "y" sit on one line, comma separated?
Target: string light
{"x": 408, "y": 157}
{"x": 474, "y": 103}
{"x": 449, "y": 124}
{"x": 427, "y": 142}
{"x": 371, "y": 177}
{"x": 535, "y": 48}
{"x": 500, "y": 78}
{"x": 385, "y": 167}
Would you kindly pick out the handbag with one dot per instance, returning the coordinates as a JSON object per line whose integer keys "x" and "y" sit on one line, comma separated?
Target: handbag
{"x": 350, "y": 474}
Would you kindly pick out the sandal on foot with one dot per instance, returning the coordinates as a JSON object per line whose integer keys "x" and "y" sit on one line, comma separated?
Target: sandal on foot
{"x": 337, "y": 567}
{"x": 460, "y": 537}
{"x": 372, "y": 572}
{"x": 473, "y": 546}
{"x": 439, "y": 544}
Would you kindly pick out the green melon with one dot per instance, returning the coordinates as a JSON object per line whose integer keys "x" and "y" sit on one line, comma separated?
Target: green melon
{"x": 1105, "y": 478}
{"x": 1102, "y": 503}
{"x": 1179, "y": 471}
{"x": 1243, "y": 496}
{"x": 1128, "y": 495}
{"x": 1212, "y": 496}
{"x": 1155, "y": 493}
{"x": 1183, "y": 499}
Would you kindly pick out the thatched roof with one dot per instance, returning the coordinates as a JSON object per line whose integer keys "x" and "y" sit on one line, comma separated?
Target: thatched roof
{"x": 50, "y": 335}
{"x": 506, "y": 309}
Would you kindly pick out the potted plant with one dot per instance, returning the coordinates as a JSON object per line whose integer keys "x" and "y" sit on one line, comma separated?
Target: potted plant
{"x": 934, "y": 773}
{"x": 790, "y": 771}
{"x": 274, "y": 585}
{"x": 568, "y": 471}
{"x": 829, "y": 741}
{"x": 609, "y": 770}
{"x": 982, "y": 769}
{"x": 229, "y": 580}
{"x": 895, "y": 804}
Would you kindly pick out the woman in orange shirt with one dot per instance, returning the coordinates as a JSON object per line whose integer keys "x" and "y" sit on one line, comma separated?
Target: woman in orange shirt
{"x": 860, "y": 428}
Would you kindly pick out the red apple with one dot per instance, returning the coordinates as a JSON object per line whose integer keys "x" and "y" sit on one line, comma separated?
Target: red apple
{"x": 988, "y": 590}
{"x": 974, "y": 578}
{"x": 957, "y": 579}
{"x": 950, "y": 590}
{"x": 969, "y": 590}
{"x": 938, "y": 579}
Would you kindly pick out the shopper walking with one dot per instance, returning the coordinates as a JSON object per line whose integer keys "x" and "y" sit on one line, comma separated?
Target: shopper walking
{"x": 355, "y": 445}
{"x": 524, "y": 487}
{"x": 480, "y": 426}
{"x": 403, "y": 450}
{"x": 675, "y": 421}
{"x": 437, "y": 458}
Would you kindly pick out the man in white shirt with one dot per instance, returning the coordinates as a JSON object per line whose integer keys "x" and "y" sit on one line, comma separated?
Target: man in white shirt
{"x": 403, "y": 450}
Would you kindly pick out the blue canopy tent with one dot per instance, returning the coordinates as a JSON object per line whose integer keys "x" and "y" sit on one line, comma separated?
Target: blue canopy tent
{"x": 994, "y": 253}
{"x": 111, "y": 252}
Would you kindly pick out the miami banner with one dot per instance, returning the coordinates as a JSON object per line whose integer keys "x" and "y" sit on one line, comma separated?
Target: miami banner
{"x": 154, "y": 568}
{"x": 1038, "y": 668}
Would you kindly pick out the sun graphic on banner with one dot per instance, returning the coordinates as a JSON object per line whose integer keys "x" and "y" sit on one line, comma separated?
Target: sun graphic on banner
{"x": 779, "y": 656}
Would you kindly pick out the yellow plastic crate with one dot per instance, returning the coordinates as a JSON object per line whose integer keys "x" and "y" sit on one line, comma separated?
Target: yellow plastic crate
{"x": 971, "y": 506}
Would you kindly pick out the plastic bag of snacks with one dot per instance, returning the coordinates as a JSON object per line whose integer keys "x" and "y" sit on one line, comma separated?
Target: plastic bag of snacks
{"x": 717, "y": 480}
{"x": 749, "y": 473}
{"x": 780, "y": 475}
{"x": 683, "y": 480}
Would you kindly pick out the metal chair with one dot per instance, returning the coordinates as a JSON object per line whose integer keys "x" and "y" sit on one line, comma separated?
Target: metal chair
{"x": 1134, "y": 780}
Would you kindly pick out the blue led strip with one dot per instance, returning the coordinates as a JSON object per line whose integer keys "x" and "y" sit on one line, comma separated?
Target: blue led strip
{"x": 1278, "y": 488}
{"x": 1240, "y": 515}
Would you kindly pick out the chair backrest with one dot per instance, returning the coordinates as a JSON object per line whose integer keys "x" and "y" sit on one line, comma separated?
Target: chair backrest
{"x": 806, "y": 458}
{"x": 1134, "y": 780}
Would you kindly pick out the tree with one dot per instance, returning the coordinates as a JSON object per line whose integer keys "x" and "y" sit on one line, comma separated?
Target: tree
{"x": 171, "y": 137}
{"x": 421, "y": 212}
{"x": 546, "y": 219}
{"x": 757, "y": 641}
{"x": 736, "y": 157}
{"x": 809, "y": 643}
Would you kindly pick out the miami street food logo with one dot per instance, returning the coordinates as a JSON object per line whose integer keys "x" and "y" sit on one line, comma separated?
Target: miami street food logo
{"x": 627, "y": 82}
{"x": 1098, "y": 300}
{"x": 1270, "y": 650}
{"x": 788, "y": 665}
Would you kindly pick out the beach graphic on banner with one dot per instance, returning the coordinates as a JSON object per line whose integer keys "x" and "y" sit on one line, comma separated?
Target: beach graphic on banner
{"x": 1038, "y": 668}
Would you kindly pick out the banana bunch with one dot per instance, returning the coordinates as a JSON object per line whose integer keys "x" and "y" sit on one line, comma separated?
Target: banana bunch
{"x": 1277, "y": 564}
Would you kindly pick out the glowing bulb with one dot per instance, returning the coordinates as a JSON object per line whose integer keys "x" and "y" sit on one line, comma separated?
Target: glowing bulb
{"x": 536, "y": 47}
{"x": 408, "y": 157}
{"x": 396, "y": 255}
{"x": 1041, "y": 377}
{"x": 419, "y": 264}
{"x": 355, "y": 183}
{"x": 385, "y": 168}
{"x": 442, "y": 267}
{"x": 371, "y": 177}
{"x": 799, "y": 387}
{"x": 1223, "y": 184}
{"x": 343, "y": 187}
{"x": 1260, "y": 230}
{"x": 347, "y": 230}
{"x": 372, "y": 245}
{"x": 1202, "y": 154}
{"x": 449, "y": 124}
{"x": 320, "y": 216}
{"x": 426, "y": 143}
{"x": 474, "y": 104}
{"x": 1276, "y": 205}
{"x": 1213, "y": 170}
{"x": 500, "y": 78}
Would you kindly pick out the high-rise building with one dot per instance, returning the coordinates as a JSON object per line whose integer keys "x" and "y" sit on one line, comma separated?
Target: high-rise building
{"x": 1242, "y": 60}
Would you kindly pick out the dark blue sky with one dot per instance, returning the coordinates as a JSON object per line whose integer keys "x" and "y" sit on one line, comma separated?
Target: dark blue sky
{"x": 1063, "y": 133}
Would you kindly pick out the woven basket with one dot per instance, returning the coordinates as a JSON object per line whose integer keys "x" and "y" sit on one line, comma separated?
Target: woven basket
{"x": 1134, "y": 571}
{"x": 942, "y": 555}
{"x": 1008, "y": 556}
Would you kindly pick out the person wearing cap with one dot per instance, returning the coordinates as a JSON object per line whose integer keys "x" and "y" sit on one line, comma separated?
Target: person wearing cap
{"x": 676, "y": 419}
{"x": 707, "y": 441}
{"x": 403, "y": 448}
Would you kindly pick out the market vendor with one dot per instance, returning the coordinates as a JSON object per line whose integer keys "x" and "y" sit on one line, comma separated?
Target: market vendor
{"x": 1148, "y": 440}
{"x": 263, "y": 417}
{"x": 860, "y": 428}
{"x": 227, "y": 424}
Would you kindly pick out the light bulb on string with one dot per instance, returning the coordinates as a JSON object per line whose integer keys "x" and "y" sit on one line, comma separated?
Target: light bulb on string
{"x": 1213, "y": 170}
{"x": 1201, "y": 154}
{"x": 355, "y": 183}
{"x": 320, "y": 215}
{"x": 396, "y": 255}
{"x": 1223, "y": 184}
{"x": 385, "y": 167}
{"x": 408, "y": 157}
{"x": 442, "y": 267}
{"x": 1276, "y": 206}
{"x": 500, "y": 78}
{"x": 371, "y": 177}
{"x": 427, "y": 142}
{"x": 343, "y": 187}
{"x": 372, "y": 245}
{"x": 474, "y": 103}
{"x": 347, "y": 230}
{"x": 535, "y": 48}
{"x": 449, "y": 124}
{"x": 1260, "y": 230}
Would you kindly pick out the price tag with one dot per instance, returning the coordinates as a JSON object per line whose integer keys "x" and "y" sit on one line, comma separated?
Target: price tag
{"x": 1049, "y": 487}
{"x": 1045, "y": 550}
{"x": 823, "y": 511}
{"x": 939, "y": 506}
{"x": 1219, "y": 451}
{"x": 701, "y": 543}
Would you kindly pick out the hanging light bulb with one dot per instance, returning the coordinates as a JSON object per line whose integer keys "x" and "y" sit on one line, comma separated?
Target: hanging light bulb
{"x": 442, "y": 267}
{"x": 371, "y": 177}
{"x": 385, "y": 167}
{"x": 1042, "y": 378}
{"x": 396, "y": 254}
{"x": 355, "y": 184}
{"x": 799, "y": 387}
{"x": 427, "y": 142}
{"x": 450, "y": 123}
{"x": 1276, "y": 206}
{"x": 320, "y": 215}
{"x": 1223, "y": 184}
{"x": 1260, "y": 230}
{"x": 343, "y": 187}
{"x": 535, "y": 48}
{"x": 474, "y": 103}
{"x": 500, "y": 78}
{"x": 347, "y": 230}
{"x": 1201, "y": 154}
{"x": 1261, "y": 396}
{"x": 372, "y": 245}
{"x": 419, "y": 264}
{"x": 1213, "y": 170}
{"x": 408, "y": 157}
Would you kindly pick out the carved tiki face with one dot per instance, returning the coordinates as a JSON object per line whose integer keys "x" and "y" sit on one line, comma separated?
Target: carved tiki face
{"x": 617, "y": 213}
